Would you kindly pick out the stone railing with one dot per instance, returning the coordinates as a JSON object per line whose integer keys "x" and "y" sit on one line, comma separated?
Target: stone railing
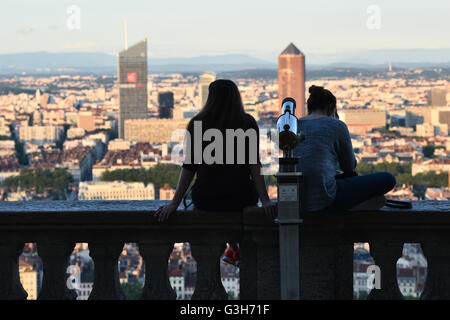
{"x": 326, "y": 244}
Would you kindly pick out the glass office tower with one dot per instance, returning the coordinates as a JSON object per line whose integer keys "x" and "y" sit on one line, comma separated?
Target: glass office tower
{"x": 132, "y": 78}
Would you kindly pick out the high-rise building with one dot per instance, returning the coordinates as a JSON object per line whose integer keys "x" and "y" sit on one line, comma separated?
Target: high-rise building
{"x": 360, "y": 121}
{"x": 440, "y": 116}
{"x": 203, "y": 87}
{"x": 417, "y": 115}
{"x": 430, "y": 130}
{"x": 86, "y": 120}
{"x": 38, "y": 95}
{"x": 165, "y": 101}
{"x": 132, "y": 78}
{"x": 39, "y": 134}
{"x": 437, "y": 97}
{"x": 291, "y": 77}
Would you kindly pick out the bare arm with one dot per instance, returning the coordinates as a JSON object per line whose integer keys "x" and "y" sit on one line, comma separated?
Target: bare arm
{"x": 184, "y": 181}
{"x": 260, "y": 186}
{"x": 259, "y": 182}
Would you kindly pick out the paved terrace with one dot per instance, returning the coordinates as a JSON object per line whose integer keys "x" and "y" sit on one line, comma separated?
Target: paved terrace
{"x": 326, "y": 242}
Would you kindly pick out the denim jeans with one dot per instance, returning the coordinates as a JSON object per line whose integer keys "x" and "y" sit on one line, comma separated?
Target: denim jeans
{"x": 355, "y": 190}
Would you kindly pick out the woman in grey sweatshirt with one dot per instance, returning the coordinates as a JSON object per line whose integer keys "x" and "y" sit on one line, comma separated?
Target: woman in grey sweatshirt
{"x": 328, "y": 147}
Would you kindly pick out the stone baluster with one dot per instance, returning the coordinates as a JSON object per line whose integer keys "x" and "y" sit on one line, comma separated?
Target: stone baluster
{"x": 260, "y": 265}
{"x": 437, "y": 285}
{"x": 248, "y": 269}
{"x": 386, "y": 254}
{"x": 10, "y": 286}
{"x": 157, "y": 285}
{"x": 209, "y": 283}
{"x": 106, "y": 273}
{"x": 326, "y": 270}
{"x": 55, "y": 257}
{"x": 268, "y": 267}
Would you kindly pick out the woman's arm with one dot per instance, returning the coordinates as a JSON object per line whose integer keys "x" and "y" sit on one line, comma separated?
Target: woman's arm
{"x": 270, "y": 208}
{"x": 346, "y": 155}
{"x": 184, "y": 182}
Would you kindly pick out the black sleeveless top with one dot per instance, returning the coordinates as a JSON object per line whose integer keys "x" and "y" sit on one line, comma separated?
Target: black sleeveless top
{"x": 226, "y": 186}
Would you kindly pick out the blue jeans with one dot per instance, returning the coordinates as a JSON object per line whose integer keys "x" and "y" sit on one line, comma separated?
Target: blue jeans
{"x": 355, "y": 190}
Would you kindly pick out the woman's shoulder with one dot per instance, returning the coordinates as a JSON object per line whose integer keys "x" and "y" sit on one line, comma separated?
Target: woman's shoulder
{"x": 326, "y": 123}
{"x": 329, "y": 120}
{"x": 339, "y": 126}
{"x": 335, "y": 122}
{"x": 251, "y": 121}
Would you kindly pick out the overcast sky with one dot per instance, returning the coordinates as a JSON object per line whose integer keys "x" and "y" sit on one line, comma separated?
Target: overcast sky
{"x": 261, "y": 28}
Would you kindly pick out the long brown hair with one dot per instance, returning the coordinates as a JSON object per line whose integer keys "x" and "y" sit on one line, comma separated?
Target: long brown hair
{"x": 223, "y": 108}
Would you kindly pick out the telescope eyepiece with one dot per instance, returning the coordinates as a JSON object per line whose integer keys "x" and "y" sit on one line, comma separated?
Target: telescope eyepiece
{"x": 288, "y": 105}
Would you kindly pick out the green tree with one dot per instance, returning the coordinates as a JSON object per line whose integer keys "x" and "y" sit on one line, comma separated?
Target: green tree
{"x": 40, "y": 181}
{"x": 159, "y": 175}
{"x": 364, "y": 168}
{"x": 428, "y": 151}
{"x": 402, "y": 173}
{"x": 132, "y": 290}
{"x": 362, "y": 295}
{"x": 270, "y": 180}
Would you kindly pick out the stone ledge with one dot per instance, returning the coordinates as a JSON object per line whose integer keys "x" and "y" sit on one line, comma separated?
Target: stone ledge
{"x": 139, "y": 215}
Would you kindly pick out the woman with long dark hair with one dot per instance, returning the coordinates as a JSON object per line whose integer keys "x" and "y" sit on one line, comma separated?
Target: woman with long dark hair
{"x": 327, "y": 147}
{"x": 231, "y": 179}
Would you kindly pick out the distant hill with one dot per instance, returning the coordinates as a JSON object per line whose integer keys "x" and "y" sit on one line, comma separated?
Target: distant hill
{"x": 39, "y": 61}
{"x": 46, "y": 62}
{"x": 84, "y": 62}
{"x": 400, "y": 57}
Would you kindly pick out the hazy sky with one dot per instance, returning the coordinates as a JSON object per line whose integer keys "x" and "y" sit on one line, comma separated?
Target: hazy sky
{"x": 261, "y": 28}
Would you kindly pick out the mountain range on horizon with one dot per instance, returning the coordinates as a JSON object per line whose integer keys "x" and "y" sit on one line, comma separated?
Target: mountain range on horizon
{"x": 72, "y": 62}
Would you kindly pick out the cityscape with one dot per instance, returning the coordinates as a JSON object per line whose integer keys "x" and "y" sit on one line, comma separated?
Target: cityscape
{"x": 79, "y": 136}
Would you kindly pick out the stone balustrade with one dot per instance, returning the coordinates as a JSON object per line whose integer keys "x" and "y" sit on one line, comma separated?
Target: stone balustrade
{"x": 326, "y": 245}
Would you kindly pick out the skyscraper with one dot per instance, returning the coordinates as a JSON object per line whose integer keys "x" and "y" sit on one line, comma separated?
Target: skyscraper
{"x": 132, "y": 78}
{"x": 205, "y": 80}
{"x": 165, "y": 101}
{"x": 437, "y": 97}
{"x": 291, "y": 77}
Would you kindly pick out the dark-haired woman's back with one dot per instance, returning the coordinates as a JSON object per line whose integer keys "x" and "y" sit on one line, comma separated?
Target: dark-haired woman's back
{"x": 226, "y": 187}
{"x": 221, "y": 186}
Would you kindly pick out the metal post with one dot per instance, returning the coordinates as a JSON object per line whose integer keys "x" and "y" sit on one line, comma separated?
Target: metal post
{"x": 288, "y": 202}
{"x": 289, "y": 220}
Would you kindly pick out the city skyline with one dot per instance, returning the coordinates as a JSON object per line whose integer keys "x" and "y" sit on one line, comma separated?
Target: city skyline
{"x": 93, "y": 138}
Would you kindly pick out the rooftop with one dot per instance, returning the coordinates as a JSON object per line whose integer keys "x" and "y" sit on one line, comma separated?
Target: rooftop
{"x": 291, "y": 49}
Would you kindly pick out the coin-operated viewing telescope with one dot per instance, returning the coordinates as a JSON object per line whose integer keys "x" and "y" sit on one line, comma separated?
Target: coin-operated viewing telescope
{"x": 287, "y": 128}
{"x": 289, "y": 204}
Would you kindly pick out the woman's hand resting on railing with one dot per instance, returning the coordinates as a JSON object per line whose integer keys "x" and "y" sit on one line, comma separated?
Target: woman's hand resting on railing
{"x": 270, "y": 209}
{"x": 164, "y": 212}
{"x": 184, "y": 181}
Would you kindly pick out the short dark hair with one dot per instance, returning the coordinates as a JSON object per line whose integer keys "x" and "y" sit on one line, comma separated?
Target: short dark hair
{"x": 321, "y": 99}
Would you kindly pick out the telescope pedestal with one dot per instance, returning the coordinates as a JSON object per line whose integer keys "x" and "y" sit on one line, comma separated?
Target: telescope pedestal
{"x": 289, "y": 220}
